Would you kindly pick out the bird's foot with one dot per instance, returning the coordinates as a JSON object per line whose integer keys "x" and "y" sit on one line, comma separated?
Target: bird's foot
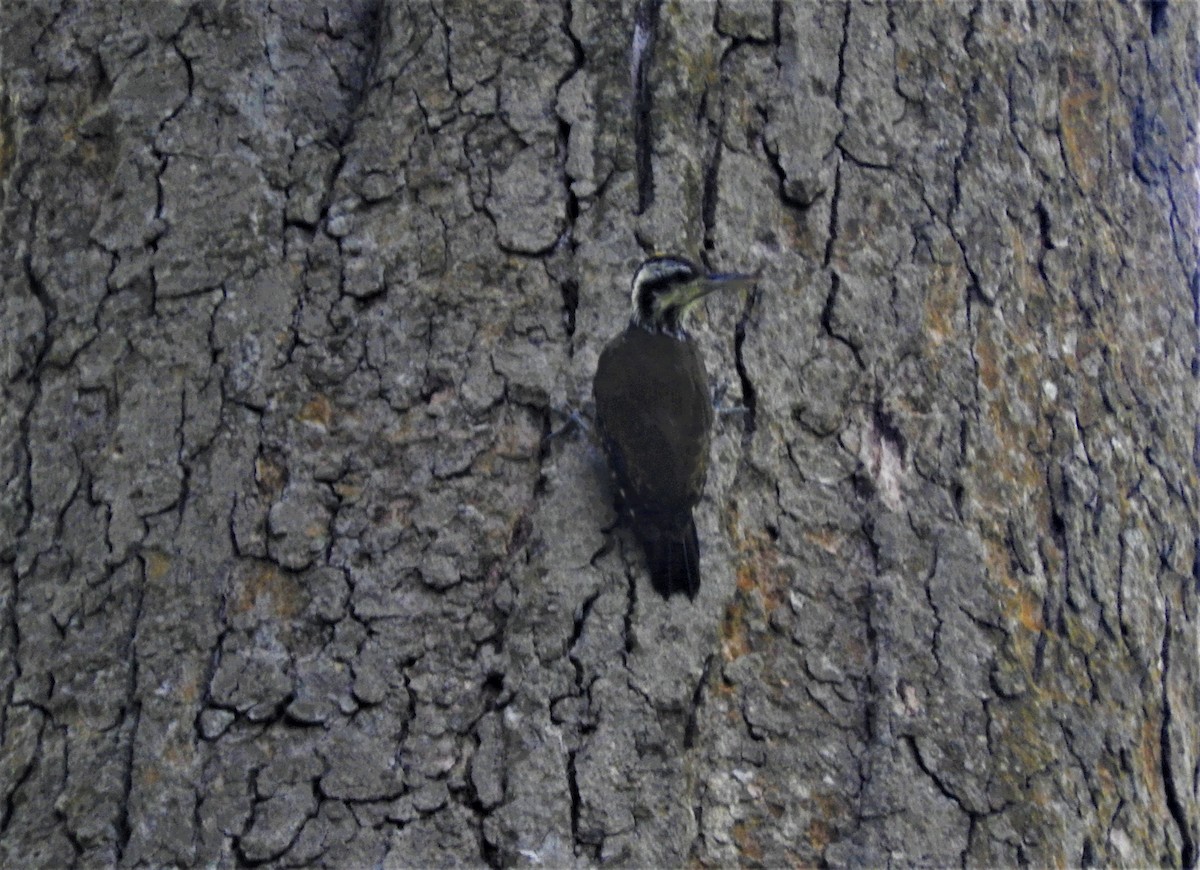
{"x": 572, "y": 420}
{"x": 718, "y": 394}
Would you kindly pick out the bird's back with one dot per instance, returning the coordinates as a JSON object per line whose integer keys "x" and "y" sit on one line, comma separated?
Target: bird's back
{"x": 655, "y": 417}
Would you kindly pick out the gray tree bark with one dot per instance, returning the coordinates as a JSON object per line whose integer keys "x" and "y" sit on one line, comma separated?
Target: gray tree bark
{"x": 289, "y": 574}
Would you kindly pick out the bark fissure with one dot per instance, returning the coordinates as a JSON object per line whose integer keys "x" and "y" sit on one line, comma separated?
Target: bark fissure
{"x": 1175, "y": 805}
{"x": 641, "y": 61}
{"x": 749, "y": 394}
{"x": 134, "y": 717}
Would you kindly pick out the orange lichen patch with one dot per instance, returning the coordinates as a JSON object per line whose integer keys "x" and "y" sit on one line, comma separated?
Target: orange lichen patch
{"x": 745, "y": 578}
{"x": 397, "y": 513}
{"x": 830, "y": 804}
{"x": 726, "y": 689}
{"x": 317, "y": 411}
{"x": 744, "y": 835}
{"x": 734, "y": 643}
{"x": 401, "y": 434}
{"x": 985, "y": 354}
{"x": 1039, "y": 797}
{"x": 1008, "y": 370}
{"x": 943, "y": 297}
{"x": 1104, "y": 773}
{"x": 442, "y": 397}
{"x": 1029, "y": 611}
{"x": 90, "y": 152}
{"x": 1028, "y": 279}
{"x": 189, "y": 690}
{"x": 828, "y": 540}
{"x": 491, "y": 331}
{"x": 1082, "y": 117}
{"x": 829, "y": 811}
{"x": 760, "y": 585}
{"x": 1149, "y": 755}
{"x": 269, "y": 474}
{"x": 995, "y": 559}
{"x": 820, "y": 834}
{"x": 1021, "y": 472}
{"x": 1052, "y": 555}
{"x": 177, "y": 754}
{"x": 1104, "y": 237}
{"x": 346, "y": 491}
{"x": 1108, "y": 795}
{"x": 758, "y": 568}
{"x": 1019, "y": 604}
{"x": 854, "y": 651}
{"x": 799, "y": 236}
{"x": 157, "y": 564}
{"x": 8, "y": 151}
{"x": 1024, "y": 735}
{"x": 511, "y": 530}
{"x": 269, "y": 590}
{"x": 518, "y": 439}
{"x": 1080, "y": 634}
{"x": 907, "y": 61}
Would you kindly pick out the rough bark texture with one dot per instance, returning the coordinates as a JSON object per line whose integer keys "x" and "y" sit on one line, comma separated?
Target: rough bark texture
{"x": 289, "y": 575}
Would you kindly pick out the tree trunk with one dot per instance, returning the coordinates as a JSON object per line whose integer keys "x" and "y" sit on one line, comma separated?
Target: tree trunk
{"x": 294, "y": 293}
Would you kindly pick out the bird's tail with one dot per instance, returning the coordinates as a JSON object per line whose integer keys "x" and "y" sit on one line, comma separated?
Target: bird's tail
{"x": 673, "y": 555}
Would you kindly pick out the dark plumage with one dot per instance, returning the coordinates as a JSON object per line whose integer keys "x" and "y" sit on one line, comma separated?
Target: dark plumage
{"x": 655, "y": 418}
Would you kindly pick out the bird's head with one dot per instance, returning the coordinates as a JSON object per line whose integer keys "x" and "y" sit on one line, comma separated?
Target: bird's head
{"x": 666, "y": 288}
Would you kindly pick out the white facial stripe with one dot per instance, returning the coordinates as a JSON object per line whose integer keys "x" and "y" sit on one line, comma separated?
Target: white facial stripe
{"x": 654, "y": 271}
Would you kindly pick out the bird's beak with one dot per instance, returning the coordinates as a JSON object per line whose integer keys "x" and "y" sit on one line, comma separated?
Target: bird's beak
{"x": 725, "y": 281}
{"x": 688, "y": 295}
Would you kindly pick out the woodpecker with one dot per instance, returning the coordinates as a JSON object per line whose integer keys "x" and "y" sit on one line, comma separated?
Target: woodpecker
{"x": 655, "y": 415}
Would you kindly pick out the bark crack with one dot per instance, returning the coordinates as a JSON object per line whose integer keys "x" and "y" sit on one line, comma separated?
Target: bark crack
{"x": 134, "y": 715}
{"x": 749, "y": 393}
{"x": 645, "y": 27}
{"x": 1175, "y": 805}
{"x": 691, "y": 728}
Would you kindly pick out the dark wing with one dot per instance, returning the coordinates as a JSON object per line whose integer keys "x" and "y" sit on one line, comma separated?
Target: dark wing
{"x": 654, "y": 417}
